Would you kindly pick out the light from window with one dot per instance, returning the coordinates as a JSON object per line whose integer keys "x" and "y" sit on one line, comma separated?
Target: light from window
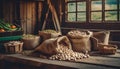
{"x": 92, "y": 10}
{"x": 111, "y": 15}
{"x": 71, "y": 7}
{"x": 96, "y": 10}
{"x": 96, "y": 16}
{"x": 76, "y": 10}
{"x": 71, "y": 17}
{"x": 81, "y": 6}
{"x": 110, "y": 5}
{"x": 96, "y": 5}
{"x": 81, "y": 16}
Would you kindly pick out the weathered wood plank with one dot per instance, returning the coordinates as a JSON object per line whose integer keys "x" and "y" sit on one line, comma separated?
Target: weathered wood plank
{"x": 40, "y": 6}
{"x": 98, "y": 62}
{"x": 6, "y": 10}
{"x": 109, "y": 61}
{"x": 22, "y": 15}
{"x": 33, "y": 16}
{"x": 28, "y": 15}
{"x": 25, "y": 12}
{"x": 1, "y": 8}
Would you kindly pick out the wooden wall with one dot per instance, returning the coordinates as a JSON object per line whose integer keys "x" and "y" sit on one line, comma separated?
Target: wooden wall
{"x": 22, "y": 12}
{"x": 30, "y": 15}
{"x": 27, "y": 16}
{"x": 8, "y": 11}
{"x": 1, "y": 8}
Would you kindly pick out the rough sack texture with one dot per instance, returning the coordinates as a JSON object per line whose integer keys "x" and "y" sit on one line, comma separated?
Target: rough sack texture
{"x": 101, "y": 37}
{"x": 80, "y": 40}
{"x": 49, "y": 46}
{"x": 47, "y": 34}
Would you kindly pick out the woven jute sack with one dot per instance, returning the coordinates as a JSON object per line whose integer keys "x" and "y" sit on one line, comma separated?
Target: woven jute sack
{"x": 81, "y": 43}
{"x": 100, "y": 37}
{"x": 49, "y": 46}
{"x": 45, "y": 35}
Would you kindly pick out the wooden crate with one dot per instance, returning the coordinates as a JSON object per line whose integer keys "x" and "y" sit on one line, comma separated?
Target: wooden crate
{"x": 14, "y": 48}
{"x": 11, "y": 33}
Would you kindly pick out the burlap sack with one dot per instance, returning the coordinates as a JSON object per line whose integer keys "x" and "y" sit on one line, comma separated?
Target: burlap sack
{"x": 45, "y": 36}
{"x": 49, "y": 46}
{"x": 82, "y": 43}
{"x": 100, "y": 37}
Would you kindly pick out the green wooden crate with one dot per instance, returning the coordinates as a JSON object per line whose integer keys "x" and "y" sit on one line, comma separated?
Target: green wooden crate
{"x": 11, "y": 38}
{"x": 11, "y": 33}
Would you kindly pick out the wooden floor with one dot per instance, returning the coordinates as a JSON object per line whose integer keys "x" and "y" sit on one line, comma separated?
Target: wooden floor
{"x": 18, "y": 61}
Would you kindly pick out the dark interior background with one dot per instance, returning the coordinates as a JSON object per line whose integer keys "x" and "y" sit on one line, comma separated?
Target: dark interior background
{"x": 30, "y": 14}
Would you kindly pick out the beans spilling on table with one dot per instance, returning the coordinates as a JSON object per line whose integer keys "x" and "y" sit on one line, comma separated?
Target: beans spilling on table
{"x": 67, "y": 54}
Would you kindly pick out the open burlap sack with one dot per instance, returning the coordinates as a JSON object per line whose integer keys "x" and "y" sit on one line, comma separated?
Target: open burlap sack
{"x": 100, "y": 37}
{"x": 49, "y": 46}
{"x": 47, "y": 34}
{"x": 81, "y": 43}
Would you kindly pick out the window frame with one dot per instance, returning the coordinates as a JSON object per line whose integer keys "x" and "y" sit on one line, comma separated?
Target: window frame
{"x": 88, "y": 13}
{"x": 76, "y": 12}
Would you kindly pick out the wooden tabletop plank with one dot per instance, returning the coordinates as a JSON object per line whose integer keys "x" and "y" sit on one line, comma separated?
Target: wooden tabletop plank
{"x": 99, "y": 62}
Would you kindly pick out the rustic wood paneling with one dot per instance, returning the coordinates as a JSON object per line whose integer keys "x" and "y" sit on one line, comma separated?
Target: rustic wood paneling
{"x": 40, "y": 6}
{"x": 23, "y": 12}
{"x": 28, "y": 16}
{"x": 6, "y": 11}
{"x": 22, "y": 15}
{"x": 39, "y": 16}
{"x": 1, "y": 8}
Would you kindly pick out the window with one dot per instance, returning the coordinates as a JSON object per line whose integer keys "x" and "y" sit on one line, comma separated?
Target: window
{"x": 75, "y": 10}
{"x": 96, "y": 10}
{"x": 111, "y": 10}
{"x": 92, "y": 10}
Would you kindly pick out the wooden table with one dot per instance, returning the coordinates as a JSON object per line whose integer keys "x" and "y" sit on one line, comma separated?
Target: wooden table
{"x": 18, "y": 61}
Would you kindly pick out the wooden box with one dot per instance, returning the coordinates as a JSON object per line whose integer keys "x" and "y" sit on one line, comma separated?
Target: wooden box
{"x": 13, "y": 48}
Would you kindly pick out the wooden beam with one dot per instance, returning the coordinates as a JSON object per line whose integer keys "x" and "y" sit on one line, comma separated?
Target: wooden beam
{"x": 53, "y": 11}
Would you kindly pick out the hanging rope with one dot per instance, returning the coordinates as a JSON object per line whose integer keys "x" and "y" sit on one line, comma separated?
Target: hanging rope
{"x": 44, "y": 23}
{"x": 54, "y": 17}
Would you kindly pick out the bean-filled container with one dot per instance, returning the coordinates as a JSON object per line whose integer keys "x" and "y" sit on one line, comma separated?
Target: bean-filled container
{"x": 13, "y": 47}
{"x": 30, "y": 41}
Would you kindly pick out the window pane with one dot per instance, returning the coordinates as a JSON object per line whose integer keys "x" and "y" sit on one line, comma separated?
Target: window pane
{"x": 71, "y": 7}
{"x": 110, "y": 4}
{"x": 96, "y": 16}
{"x": 81, "y": 16}
{"x": 81, "y": 6}
{"x": 119, "y": 15}
{"x": 119, "y": 4}
{"x": 96, "y": 5}
{"x": 111, "y": 15}
{"x": 71, "y": 17}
